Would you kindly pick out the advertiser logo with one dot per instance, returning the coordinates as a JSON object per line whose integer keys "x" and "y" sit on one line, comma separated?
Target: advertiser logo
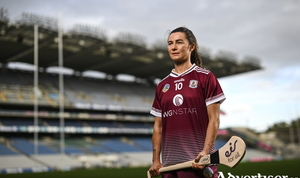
{"x": 179, "y": 111}
{"x": 178, "y": 100}
{"x": 231, "y": 154}
{"x": 166, "y": 88}
{"x": 231, "y": 149}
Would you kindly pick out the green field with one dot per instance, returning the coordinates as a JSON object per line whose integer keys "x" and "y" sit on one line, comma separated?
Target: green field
{"x": 288, "y": 168}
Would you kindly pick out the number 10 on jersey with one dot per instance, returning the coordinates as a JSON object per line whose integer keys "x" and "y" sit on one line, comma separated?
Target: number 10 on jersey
{"x": 178, "y": 86}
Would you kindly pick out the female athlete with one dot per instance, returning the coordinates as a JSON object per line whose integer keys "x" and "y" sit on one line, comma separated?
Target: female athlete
{"x": 186, "y": 109}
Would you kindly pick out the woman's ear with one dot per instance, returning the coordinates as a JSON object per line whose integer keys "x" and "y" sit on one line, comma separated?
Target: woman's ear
{"x": 192, "y": 47}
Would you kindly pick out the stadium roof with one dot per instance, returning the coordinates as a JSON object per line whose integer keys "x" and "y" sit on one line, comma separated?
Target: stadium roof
{"x": 87, "y": 48}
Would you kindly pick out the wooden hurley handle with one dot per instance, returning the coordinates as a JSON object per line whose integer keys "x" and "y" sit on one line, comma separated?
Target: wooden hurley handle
{"x": 148, "y": 174}
{"x": 205, "y": 160}
{"x": 176, "y": 166}
{"x": 173, "y": 167}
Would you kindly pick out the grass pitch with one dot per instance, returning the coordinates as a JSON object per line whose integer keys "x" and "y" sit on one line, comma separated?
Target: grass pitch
{"x": 288, "y": 168}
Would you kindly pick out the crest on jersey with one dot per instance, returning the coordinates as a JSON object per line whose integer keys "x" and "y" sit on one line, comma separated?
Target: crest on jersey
{"x": 166, "y": 88}
{"x": 178, "y": 100}
{"x": 193, "y": 83}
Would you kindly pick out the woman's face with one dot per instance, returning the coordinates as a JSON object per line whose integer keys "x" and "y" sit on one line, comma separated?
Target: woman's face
{"x": 179, "y": 48}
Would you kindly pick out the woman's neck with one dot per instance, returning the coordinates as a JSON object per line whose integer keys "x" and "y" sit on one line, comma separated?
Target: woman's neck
{"x": 180, "y": 68}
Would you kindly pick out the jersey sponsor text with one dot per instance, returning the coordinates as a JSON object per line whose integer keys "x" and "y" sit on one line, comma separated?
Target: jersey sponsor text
{"x": 179, "y": 111}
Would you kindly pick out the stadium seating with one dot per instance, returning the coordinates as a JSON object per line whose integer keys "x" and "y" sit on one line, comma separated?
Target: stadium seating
{"x": 19, "y": 89}
{"x": 118, "y": 146}
{"x": 73, "y": 151}
{"x": 27, "y": 147}
{"x": 16, "y": 121}
{"x": 6, "y": 151}
{"x": 144, "y": 143}
{"x": 108, "y": 124}
{"x": 98, "y": 150}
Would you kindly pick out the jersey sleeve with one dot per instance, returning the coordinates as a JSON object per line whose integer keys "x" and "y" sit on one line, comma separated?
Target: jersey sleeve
{"x": 213, "y": 92}
{"x": 156, "y": 108}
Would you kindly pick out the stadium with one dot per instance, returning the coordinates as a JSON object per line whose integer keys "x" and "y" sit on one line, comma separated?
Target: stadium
{"x": 90, "y": 121}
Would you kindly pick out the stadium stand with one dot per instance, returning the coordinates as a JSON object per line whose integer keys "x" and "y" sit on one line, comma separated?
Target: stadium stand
{"x": 101, "y": 93}
{"x": 6, "y": 151}
{"x": 28, "y": 148}
{"x": 118, "y": 146}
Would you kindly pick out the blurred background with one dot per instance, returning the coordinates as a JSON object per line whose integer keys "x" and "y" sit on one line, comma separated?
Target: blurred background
{"x": 77, "y": 79}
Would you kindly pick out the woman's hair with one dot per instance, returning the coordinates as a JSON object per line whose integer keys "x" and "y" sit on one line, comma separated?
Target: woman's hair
{"x": 195, "y": 56}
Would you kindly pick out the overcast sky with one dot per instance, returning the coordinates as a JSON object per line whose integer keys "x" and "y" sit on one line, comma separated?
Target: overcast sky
{"x": 269, "y": 30}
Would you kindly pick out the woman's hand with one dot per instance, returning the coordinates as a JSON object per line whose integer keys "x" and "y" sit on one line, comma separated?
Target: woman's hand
{"x": 197, "y": 159}
{"x": 154, "y": 169}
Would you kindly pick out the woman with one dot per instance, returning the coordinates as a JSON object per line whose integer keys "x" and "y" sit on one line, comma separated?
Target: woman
{"x": 186, "y": 109}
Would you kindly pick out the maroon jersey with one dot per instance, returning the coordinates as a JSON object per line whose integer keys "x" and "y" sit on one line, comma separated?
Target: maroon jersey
{"x": 181, "y": 100}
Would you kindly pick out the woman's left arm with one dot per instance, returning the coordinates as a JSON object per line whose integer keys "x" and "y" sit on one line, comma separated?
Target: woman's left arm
{"x": 213, "y": 111}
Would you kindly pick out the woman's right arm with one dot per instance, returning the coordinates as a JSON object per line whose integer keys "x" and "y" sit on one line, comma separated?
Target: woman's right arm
{"x": 156, "y": 145}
